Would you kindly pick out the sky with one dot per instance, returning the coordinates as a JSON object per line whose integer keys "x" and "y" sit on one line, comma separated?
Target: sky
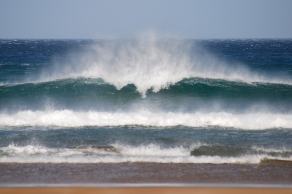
{"x": 198, "y": 19}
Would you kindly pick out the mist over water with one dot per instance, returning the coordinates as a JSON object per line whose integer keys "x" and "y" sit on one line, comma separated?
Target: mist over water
{"x": 152, "y": 64}
{"x": 148, "y": 84}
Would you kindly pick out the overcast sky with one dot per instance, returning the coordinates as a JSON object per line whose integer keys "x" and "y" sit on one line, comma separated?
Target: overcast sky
{"x": 127, "y": 18}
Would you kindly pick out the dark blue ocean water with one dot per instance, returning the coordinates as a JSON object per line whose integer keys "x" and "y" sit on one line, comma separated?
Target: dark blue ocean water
{"x": 208, "y": 101}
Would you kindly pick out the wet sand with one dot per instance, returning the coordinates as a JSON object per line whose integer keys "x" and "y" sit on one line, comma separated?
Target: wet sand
{"x": 160, "y": 190}
{"x": 137, "y": 173}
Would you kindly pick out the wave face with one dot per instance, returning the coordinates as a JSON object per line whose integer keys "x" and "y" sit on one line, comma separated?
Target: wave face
{"x": 192, "y": 87}
{"x": 145, "y": 100}
{"x": 70, "y": 93}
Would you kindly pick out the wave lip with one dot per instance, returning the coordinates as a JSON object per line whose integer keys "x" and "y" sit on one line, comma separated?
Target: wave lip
{"x": 69, "y": 118}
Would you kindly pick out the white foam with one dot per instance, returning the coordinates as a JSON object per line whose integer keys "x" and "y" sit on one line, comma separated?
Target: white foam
{"x": 28, "y": 149}
{"x": 153, "y": 150}
{"x": 69, "y": 118}
{"x": 126, "y": 153}
{"x": 149, "y": 63}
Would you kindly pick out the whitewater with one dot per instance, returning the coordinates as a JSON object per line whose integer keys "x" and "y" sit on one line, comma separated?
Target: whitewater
{"x": 150, "y": 100}
{"x": 125, "y": 153}
{"x": 68, "y": 118}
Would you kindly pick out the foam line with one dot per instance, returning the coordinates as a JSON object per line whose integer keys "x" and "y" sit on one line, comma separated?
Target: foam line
{"x": 125, "y": 153}
{"x": 69, "y": 118}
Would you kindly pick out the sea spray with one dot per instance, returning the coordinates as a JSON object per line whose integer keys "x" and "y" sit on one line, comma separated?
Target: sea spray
{"x": 145, "y": 100}
{"x": 150, "y": 63}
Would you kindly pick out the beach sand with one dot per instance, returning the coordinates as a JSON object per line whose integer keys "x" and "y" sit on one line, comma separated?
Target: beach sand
{"x": 159, "y": 190}
{"x": 70, "y": 173}
{"x": 145, "y": 178}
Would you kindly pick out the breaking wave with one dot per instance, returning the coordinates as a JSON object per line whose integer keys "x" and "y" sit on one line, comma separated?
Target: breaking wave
{"x": 139, "y": 84}
{"x": 124, "y": 153}
{"x": 149, "y": 63}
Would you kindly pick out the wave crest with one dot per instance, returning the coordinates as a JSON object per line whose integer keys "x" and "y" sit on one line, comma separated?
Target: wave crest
{"x": 149, "y": 63}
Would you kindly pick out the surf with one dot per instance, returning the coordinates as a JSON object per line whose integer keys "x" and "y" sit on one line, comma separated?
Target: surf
{"x": 151, "y": 63}
{"x": 128, "y": 153}
{"x": 144, "y": 117}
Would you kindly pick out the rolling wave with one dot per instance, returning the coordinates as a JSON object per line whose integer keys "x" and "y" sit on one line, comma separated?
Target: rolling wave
{"x": 93, "y": 89}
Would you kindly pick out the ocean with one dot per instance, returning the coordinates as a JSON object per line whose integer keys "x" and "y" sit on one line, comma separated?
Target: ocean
{"x": 145, "y": 101}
